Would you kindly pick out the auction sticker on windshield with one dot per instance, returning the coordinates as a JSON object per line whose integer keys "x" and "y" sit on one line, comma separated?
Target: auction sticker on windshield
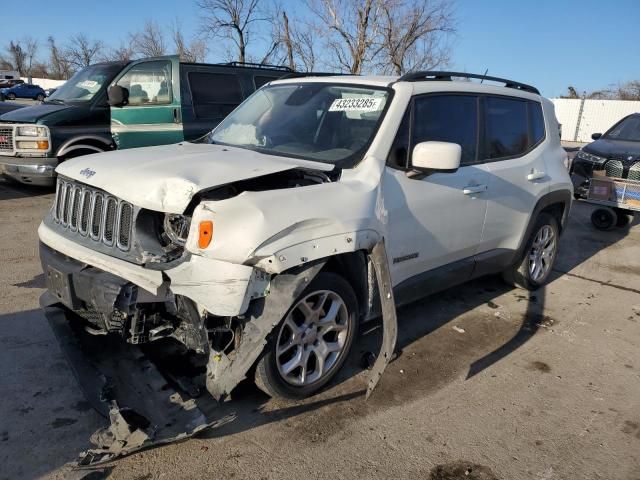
{"x": 360, "y": 104}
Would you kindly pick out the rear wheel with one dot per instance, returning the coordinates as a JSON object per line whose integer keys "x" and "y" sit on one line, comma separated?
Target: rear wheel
{"x": 312, "y": 341}
{"x": 540, "y": 253}
{"x": 40, "y": 97}
{"x": 604, "y": 218}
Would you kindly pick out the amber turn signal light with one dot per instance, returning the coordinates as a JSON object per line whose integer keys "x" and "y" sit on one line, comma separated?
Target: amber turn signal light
{"x": 43, "y": 144}
{"x": 205, "y": 233}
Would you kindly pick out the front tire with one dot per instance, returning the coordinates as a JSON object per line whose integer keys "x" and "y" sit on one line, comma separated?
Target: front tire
{"x": 312, "y": 341}
{"x": 11, "y": 96}
{"x": 534, "y": 268}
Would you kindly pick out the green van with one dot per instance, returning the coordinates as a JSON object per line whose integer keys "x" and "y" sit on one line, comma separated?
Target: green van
{"x": 114, "y": 105}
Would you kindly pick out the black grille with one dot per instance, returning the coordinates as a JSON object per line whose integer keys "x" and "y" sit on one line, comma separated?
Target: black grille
{"x": 124, "y": 229}
{"x": 96, "y": 216}
{"x": 91, "y": 212}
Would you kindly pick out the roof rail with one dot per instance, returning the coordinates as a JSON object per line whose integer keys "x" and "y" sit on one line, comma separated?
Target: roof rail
{"x": 312, "y": 74}
{"x": 257, "y": 65}
{"x": 423, "y": 76}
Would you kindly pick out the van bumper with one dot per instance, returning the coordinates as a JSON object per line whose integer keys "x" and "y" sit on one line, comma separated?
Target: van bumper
{"x": 38, "y": 171}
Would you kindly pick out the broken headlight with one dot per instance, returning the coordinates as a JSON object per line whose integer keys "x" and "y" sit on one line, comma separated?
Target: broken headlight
{"x": 176, "y": 227}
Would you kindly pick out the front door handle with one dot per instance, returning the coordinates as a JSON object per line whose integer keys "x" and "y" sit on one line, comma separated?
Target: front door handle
{"x": 176, "y": 115}
{"x": 471, "y": 189}
{"x": 534, "y": 175}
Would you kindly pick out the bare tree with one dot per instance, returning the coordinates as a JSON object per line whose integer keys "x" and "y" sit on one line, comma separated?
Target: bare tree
{"x": 59, "y": 67}
{"x": 195, "y": 51}
{"x": 413, "y": 34}
{"x": 82, "y": 52}
{"x": 123, "y": 53}
{"x": 150, "y": 41}
{"x": 16, "y": 57}
{"x": 353, "y": 28}
{"x": 30, "y": 50}
{"x": 232, "y": 20}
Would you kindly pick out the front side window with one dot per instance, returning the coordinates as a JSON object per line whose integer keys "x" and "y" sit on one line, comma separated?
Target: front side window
{"x": 628, "y": 129}
{"x": 332, "y": 123}
{"x": 149, "y": 83}
{"x": 447, "y": 118}
{"x": 506, "y": 127}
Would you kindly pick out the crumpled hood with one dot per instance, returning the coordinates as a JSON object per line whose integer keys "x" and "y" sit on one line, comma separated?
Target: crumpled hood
{"x": 165, "y": 178}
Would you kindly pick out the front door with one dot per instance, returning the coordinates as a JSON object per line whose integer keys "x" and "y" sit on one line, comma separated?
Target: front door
{"x": 436, "y": 220}
{"x": 153, "y": 113}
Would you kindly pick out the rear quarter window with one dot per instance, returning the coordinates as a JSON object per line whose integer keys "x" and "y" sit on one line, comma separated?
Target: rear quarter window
{"x": 537, "y": 123}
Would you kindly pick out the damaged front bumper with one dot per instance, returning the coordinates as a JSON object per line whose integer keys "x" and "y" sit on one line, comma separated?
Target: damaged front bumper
{"x": 94, "y": 302}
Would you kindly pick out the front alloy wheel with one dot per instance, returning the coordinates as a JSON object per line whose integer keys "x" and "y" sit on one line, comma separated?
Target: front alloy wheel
{"x": 312, "y": 341}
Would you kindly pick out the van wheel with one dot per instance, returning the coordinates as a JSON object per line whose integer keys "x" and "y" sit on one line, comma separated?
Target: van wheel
{"x": 604, "y": 218}
{"x": 312, "y": 341}
{"x": 540, "y": 253}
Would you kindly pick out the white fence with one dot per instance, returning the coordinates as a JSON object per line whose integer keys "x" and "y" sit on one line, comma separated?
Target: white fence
{"x": 581, "y": 118}
{"x": 45, "y": 82}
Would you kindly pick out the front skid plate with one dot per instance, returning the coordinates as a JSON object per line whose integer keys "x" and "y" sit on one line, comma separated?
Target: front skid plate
{"x": 123, "y": 385}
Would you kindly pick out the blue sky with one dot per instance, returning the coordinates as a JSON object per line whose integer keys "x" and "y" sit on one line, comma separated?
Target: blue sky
{"x": 589, "y": 44}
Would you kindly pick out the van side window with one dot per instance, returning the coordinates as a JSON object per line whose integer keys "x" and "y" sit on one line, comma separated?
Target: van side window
{"x": 149, "y": 83}
{"x": 214, "y": 95}
{"x": 506, "y": 127}
{"x": 260, "y": 80}
{"x": 447, "y": 118}
{"x": 537, "y": 123}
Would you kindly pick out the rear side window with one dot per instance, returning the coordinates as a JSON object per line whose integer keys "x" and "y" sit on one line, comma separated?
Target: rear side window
{"x": 214, "y": 95}
{"x": 447, "y": 118}
{"x": 537, "y": 123}
{"x": 506, "y": 127}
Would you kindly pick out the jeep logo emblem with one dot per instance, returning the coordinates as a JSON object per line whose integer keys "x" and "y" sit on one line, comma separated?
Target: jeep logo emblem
{"x": 87, "y": 172}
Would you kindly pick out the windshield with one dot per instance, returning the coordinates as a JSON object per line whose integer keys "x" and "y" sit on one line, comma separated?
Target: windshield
{"x": 85, "y": 84}
{"x": 628, "y": 129}
{"x": 314, "y": 121}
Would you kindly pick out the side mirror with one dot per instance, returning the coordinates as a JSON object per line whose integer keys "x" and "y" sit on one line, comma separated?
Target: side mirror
{"x": 118, "y": 96}
{"x": 436, "y": 157}
{"x": 596, "y": 136}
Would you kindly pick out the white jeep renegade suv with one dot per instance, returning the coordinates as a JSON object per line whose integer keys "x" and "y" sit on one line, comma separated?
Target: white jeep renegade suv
{"x": 252, "y": 248}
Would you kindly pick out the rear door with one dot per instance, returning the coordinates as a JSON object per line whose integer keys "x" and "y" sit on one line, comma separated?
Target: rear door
{"x": 153, "y": 115}
{"x": 513, "y": 151}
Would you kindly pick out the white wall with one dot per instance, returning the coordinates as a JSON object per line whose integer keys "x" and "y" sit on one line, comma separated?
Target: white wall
{"x": 597, "y": 116}
{"x": 45, "y": 82}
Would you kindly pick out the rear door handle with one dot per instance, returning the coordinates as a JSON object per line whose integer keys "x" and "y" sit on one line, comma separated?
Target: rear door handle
{"x": 533, "y": 176}
{"x": 471, "y": 189}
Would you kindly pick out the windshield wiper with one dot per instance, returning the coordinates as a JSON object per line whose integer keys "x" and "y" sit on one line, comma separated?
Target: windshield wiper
{"x": 57, "y": 101}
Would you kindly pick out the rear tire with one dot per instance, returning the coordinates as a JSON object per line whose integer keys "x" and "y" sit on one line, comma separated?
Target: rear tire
{"x": 312, "y": 341}
{"x": 604, "y": 218}
{"x": 534, "y": 267}
{"x": 40, "y": 97}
